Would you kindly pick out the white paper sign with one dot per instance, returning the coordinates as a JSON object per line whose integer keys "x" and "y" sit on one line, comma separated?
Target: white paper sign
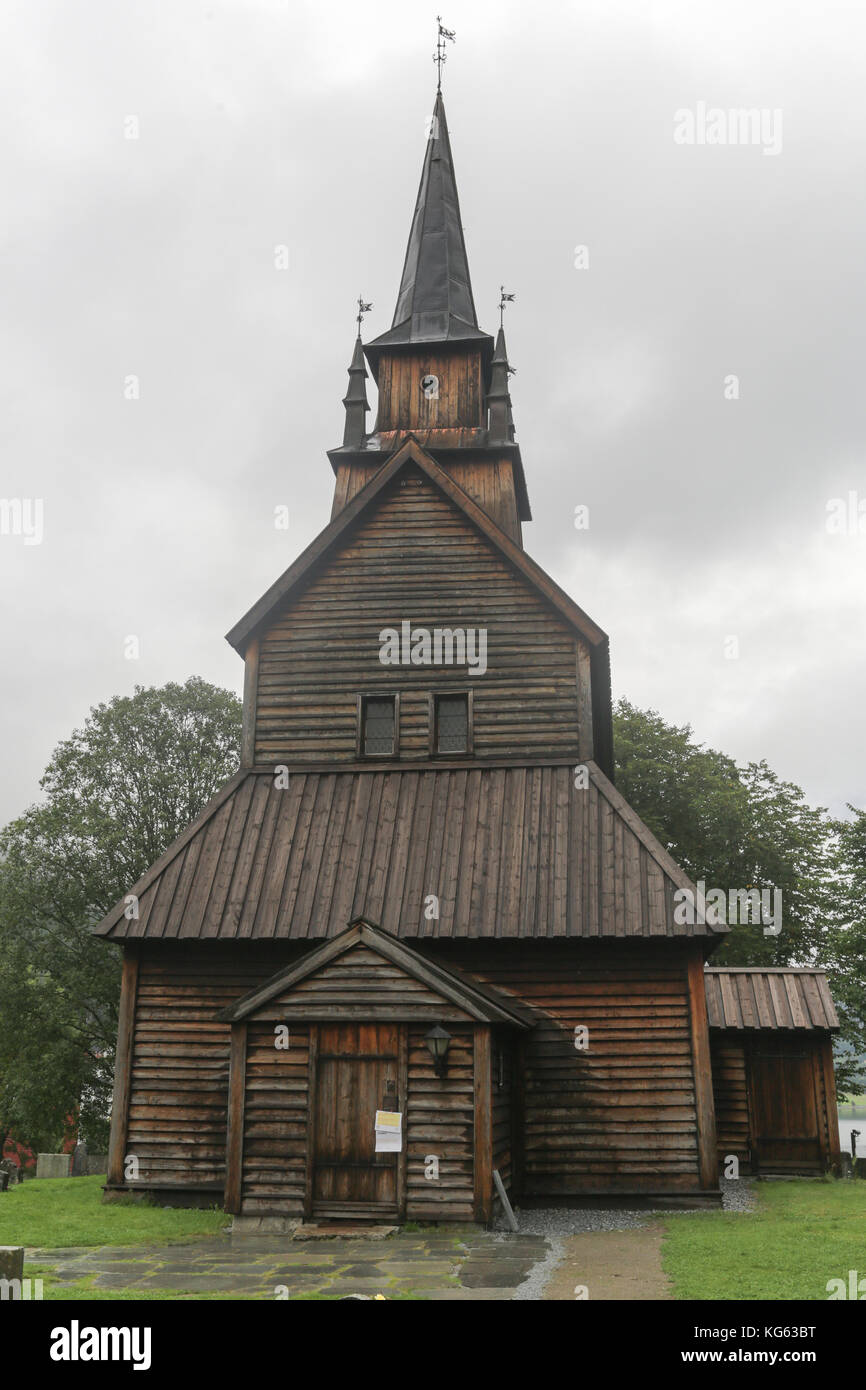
{"x": 389, "y": 1131}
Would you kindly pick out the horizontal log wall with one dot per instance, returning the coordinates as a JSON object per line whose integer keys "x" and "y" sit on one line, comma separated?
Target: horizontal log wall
{"x": 731, "y": 1091}
{"x": 276, "y": 1112}
{"x": 440, "y": 1123}
{"x": 180, "y": 1058}
{"x": 621, "y": 1116}
{"x": 488, "y": 480}
{"x": 360, "y": 985}
{"x": 618, "y": 1118}
{"x": 417, "y": 559}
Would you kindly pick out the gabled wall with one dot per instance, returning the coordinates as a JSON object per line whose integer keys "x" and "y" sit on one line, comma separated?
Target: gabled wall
{"x": 417, "y": 558}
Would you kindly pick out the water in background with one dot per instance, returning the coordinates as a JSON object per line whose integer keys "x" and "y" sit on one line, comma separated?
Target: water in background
{"x": 852, "y": 1117}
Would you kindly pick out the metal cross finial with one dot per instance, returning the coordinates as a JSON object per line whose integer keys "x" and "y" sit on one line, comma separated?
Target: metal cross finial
{"x": 363, "y": 308}
{"x": 504, "y": 298}
{"x": 440, "y": 56}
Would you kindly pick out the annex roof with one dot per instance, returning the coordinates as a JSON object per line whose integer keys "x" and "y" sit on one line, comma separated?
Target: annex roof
{"x": 779, "y": 997}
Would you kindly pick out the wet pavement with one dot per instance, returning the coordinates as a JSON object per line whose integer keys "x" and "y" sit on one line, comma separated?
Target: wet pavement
{"x": 439, "y": 1265}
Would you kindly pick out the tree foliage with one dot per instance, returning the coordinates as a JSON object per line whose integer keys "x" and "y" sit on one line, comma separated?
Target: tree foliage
{"x": 117, "y": 793}
{"x": 741, "y": 827}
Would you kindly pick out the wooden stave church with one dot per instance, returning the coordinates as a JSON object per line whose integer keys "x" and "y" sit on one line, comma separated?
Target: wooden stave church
{"x": 291, "y": 952}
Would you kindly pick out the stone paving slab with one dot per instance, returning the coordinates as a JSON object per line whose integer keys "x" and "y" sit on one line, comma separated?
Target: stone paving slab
{"x": 434, "y": 1265}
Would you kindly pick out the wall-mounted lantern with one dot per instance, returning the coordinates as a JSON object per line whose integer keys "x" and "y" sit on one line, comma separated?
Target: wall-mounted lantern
{"x": 438, "y": 1042}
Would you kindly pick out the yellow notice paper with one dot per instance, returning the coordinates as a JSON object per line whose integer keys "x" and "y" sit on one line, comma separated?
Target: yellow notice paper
{"x": 389, "y": 1131}
{"x": 388, "y": 1119}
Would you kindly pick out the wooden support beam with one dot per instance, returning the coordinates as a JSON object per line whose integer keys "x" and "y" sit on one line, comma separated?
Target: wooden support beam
{"x": 251, "y": 695}
{"x": 518, "y": 1118}
{"x": 235, "y": 1144}
{"x": 483, "y": 1130}
{"x": 585, "y": 736}
{"x": 403, "y": 1105}
{"x": 310, "y": 1156}
{"x": 704, "y": 1102}
{"x": 831, "y": 1100}
{"x": 123, "y": 1066}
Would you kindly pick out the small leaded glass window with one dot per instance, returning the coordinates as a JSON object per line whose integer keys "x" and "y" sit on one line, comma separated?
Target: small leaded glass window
{"x": 452, "y": 724}
{"x": 377, "y": 726}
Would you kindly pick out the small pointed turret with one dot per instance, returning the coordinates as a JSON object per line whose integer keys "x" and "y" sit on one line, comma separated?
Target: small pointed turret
{"x": 355, "y": 400}
{"x": 501, "y": 423}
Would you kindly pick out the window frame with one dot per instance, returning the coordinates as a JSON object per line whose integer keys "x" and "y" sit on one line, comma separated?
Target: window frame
{"x": 435, "y": 696}
{"x": 360, "y": 724}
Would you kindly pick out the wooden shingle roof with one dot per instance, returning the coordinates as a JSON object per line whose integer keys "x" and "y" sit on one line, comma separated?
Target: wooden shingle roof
{"x": 781, "y": 997}
{"x": 508, "y": 850}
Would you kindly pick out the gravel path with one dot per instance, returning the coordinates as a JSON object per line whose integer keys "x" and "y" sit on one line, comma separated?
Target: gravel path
{"x": 554, "y": 1222}
{"x": 559, "y": 1224}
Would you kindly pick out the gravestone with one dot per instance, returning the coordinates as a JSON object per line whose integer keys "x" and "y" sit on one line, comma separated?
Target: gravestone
{"x": 79, "y": 1160}
{"x": 11, "y": 1261}
{"x": 52, "y": 1165}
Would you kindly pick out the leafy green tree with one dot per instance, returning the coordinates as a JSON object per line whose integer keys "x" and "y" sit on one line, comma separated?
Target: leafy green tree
{"x": 737, "y": 828}
{"x": 117, "y": 793}
{"x": 846, "y": 952}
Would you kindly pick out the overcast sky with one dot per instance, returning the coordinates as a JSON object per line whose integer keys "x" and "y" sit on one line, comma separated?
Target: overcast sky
{"x": 263, "y": 123}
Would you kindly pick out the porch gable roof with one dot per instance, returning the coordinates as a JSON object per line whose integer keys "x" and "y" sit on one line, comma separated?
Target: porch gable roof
{"x": 480, "y": 1001}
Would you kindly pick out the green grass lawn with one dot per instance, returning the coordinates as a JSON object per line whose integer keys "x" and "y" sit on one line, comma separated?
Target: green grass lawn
{"x": 803, "y": 1233}
{"x": 55, "y": 1212}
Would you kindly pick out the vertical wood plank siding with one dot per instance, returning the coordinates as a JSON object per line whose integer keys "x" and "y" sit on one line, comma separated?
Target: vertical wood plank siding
{"x": 458, "y": 401}
{"x": 416, "y": 558}
{"x": 738, "y": 1075}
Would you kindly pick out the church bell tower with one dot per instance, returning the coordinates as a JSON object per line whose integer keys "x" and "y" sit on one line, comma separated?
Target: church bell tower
{"x": 439, "y": 376}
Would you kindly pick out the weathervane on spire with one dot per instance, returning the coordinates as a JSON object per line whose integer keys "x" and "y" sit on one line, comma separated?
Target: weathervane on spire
{"x": 504, "y": 298}
{"x": 440, "y": 56}
{"x": 363, "y": 308}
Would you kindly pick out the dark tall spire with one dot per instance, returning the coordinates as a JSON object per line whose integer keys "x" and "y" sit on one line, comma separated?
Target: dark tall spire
{"x": 501, "y": 424}
{"x": 355, "y": 400}
{"x": 435, "y": 302}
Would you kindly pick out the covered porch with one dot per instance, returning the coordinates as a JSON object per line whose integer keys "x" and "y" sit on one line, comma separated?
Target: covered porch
{"x": 365, "y": 1024}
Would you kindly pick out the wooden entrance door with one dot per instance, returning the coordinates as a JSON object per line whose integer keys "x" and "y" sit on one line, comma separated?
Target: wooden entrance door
{"x": 357, "y": 1073}
{"x": 786, "y": 1135}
